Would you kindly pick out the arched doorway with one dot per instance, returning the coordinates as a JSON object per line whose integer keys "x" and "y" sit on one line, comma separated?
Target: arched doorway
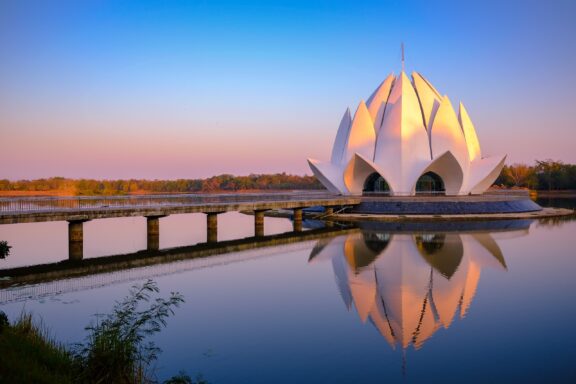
{"x": 375, "y": 184}
{"x": 430, "y": 183}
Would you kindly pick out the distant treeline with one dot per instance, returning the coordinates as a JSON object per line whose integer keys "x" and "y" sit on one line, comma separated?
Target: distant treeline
{"x": 543, "y": 175}
{"x": 221, "y": 183}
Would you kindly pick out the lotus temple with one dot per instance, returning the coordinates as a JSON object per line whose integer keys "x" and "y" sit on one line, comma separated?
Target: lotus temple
{"x": 407, "y": 150}
{"x": 407, "y": 139}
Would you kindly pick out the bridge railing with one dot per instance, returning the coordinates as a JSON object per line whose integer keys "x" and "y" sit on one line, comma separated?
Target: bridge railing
{"x": 29, "y": 204}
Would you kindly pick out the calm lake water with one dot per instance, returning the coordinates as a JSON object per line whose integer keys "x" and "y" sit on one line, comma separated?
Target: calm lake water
{"x": 366, "y": 305}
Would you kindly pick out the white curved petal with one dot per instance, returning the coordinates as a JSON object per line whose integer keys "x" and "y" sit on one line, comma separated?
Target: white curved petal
{"x": 446, "y": 292}
{"x": 469, "y": 134}
{"x": 429, "y": 84}
{"x": 341, "y": 272}
{"x": 341, "y": 138}
{"x": 362, "y": 281}
{"x": 481, "y": 251}
{"x": 446, "y": 134}
{"x": 470, "y": 286}
{"x": 402, "y": 146}
{"x": 358, "y": 255}
{"x": 329, "y": 175}
{"x": 429, "y": 98}
{"x": 448, "y": 168}
{"x": 378, "y": 317}
{"x": 483, "y": 173}
{"x": 363, "y": 289}
{"x": 357, "y": 171}
{"x": 403, "y": 284}
{"x": 362, "y": 136}
{"x": 327, "y": 248}
{"x": 377, "y": 101}
{"x": 485, "y": 251}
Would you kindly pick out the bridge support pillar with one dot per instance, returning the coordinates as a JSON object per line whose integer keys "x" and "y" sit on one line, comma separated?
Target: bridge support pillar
{"x": 297, "y": 219}
{"x": 76, "y": 239}
{"x": 153, "y": 232}
{"x": 259, "y": 223}
{"x": 328, "y": 211}
{"x": 212, "y": 226}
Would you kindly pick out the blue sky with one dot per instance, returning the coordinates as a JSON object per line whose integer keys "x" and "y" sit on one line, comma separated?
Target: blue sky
{"x": 167, "y": 89}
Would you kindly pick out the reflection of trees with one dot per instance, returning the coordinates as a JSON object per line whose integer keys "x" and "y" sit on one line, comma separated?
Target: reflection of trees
{"x": 409, "y": 285}
{"x": 555, "y": 221}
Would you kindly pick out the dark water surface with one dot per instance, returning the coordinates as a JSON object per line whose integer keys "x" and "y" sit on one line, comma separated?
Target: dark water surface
{"x": 364, "y": 306}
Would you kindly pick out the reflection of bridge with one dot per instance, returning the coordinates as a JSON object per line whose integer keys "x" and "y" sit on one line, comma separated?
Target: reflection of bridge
{"x": 73, "y": 275}
{"x": 77, "y": 210}
{"x": 409, "y": 285}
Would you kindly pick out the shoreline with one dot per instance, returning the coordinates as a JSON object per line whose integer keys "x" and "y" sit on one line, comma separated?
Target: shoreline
{"x": 544, "y": 213}
{"x": 547, "y": 212}
{"x": 16, "y": 194}
{"x": 569, "y": 193}
{"x": 563, "y": 194}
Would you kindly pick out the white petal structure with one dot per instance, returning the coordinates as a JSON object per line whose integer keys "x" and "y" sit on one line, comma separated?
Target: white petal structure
{"x": 405, "y": 140}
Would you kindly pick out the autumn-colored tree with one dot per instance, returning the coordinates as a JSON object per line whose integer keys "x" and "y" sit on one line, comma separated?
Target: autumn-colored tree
{"x": 521, "y": 175}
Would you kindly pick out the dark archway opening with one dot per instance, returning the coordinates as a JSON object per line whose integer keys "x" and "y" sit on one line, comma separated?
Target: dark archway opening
{"x": 376, "y": 241}
{"x": 430, "y": 183}
{"x": 443, "y": 253}
{"x": 376, "y": 185}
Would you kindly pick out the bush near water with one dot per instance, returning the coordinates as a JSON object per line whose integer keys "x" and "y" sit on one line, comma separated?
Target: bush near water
{"x": 115, "y": 349}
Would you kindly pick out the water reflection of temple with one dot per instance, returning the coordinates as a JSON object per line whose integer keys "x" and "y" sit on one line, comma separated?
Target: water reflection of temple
{"x": 409, "y": 285}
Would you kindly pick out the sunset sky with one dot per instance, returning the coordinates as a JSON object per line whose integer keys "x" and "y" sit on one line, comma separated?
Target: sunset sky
{"x": 187, "y": 89}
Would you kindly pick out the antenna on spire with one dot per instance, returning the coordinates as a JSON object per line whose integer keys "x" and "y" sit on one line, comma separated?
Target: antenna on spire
{"x": 402, "y": 46}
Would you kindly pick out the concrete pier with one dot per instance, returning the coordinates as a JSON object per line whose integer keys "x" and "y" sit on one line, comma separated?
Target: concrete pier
{"x": 297, "y": 219}
{"x": 76, "y": 239}
{"x": 328, "y": 211}
{"x": 153, "y": 232}
{"x": 15, "y": 210}
{"x": 212, "y": 226}
{"x": 259, "y": 223}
